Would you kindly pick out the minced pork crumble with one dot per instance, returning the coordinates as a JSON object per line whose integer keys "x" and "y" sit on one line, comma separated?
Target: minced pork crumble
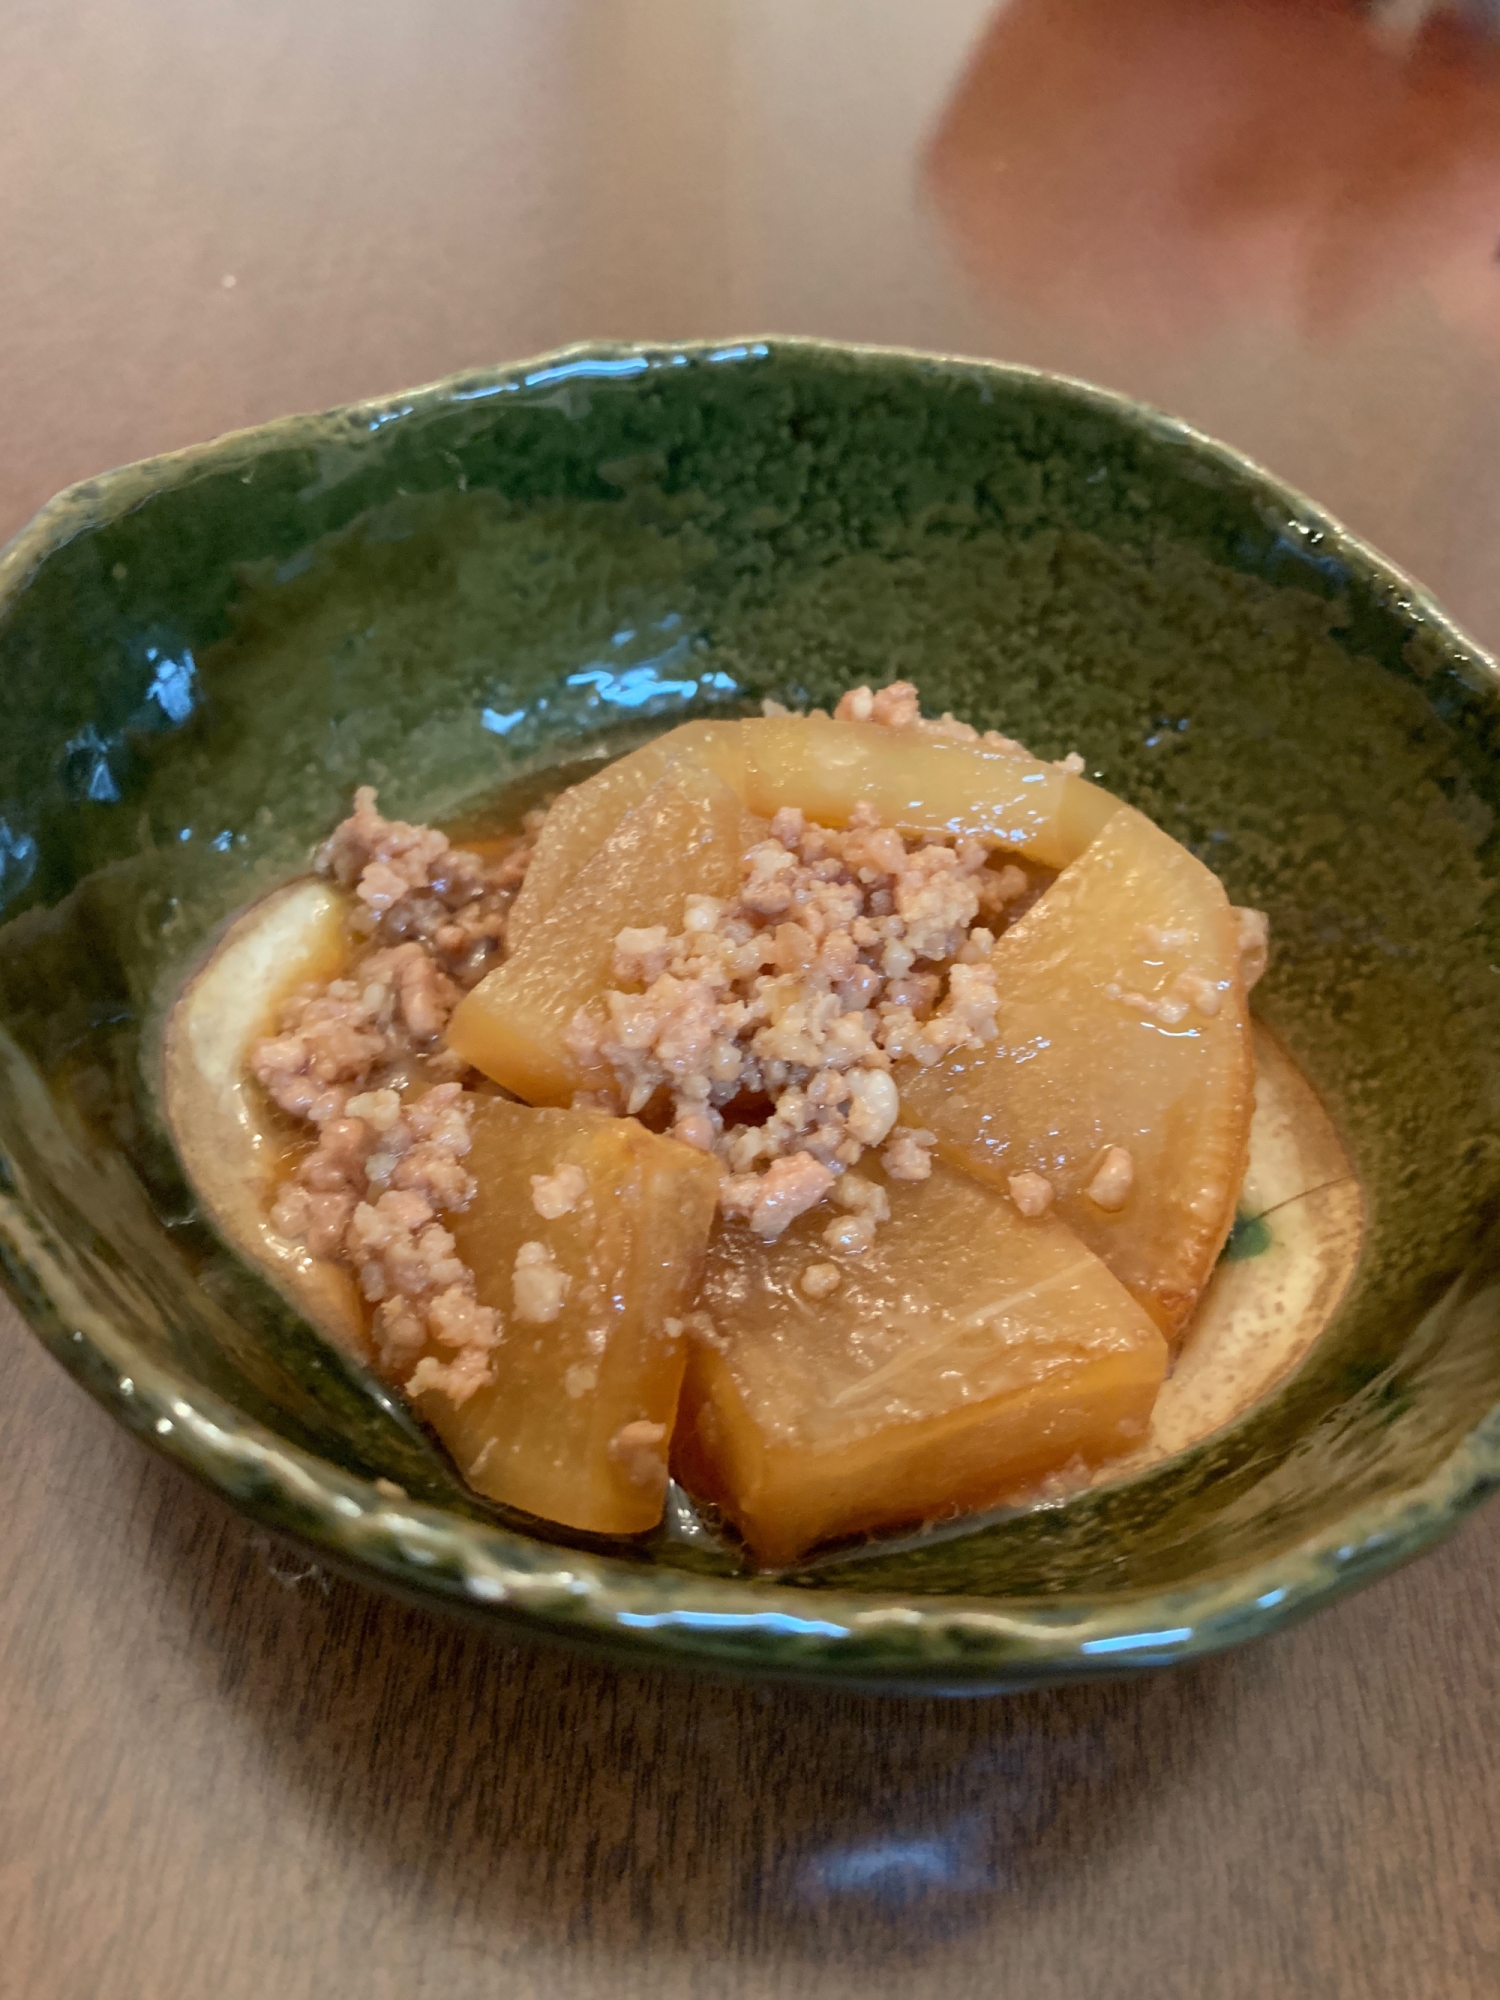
{"x": 763, "y": 1032}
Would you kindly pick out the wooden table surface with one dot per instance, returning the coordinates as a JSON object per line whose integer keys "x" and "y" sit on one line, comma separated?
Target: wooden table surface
{"x": 220, "y": 1775}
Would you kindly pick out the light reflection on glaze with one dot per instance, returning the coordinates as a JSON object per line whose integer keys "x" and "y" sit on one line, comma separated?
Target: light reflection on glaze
{"x": 1138, "y": 1642}
{"x": 634, "y": 686}
{"x": 18, "y": 859}
{"x": 498, "y": 724}
{"x": 600, "y": 370}
{"x": 896, "y": 1864}
{"x": 768, "y": 1622}
{"x": 86, "y": 762}
{"x": 171, "y": 685}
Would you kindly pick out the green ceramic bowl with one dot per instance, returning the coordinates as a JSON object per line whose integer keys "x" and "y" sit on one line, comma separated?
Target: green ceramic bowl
{"x": 202, "y": 656}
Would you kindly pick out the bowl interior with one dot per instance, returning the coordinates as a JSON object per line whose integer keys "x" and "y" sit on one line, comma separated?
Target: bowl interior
{"x": 483, "y": 581}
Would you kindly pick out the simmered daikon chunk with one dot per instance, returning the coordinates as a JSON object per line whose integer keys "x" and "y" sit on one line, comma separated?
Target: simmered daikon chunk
{"x": 966, "y": 1353}
{"x": 582, "y": 818}
{"x": 921, "y": 784}
{"x": 686, "y": 837}
{"x": 587, "y": 1235}
{"x": 1124, "y": 1076}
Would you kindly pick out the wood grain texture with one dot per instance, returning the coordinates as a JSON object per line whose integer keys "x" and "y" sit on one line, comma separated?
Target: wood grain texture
{"x": 223, "y": 1774}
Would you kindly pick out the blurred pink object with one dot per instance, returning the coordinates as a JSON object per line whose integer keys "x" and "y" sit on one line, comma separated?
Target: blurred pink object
{"x": 1169, "y": 164}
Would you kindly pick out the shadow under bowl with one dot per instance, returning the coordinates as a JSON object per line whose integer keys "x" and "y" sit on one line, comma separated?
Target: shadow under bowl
{"x": 450, "y": 592}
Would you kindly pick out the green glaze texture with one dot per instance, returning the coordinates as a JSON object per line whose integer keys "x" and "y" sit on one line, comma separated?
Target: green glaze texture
{"x": 453, "y": 593}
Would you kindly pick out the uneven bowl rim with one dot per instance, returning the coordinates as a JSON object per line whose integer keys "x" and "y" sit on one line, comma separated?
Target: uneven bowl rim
{"x": 609, "y": 1604}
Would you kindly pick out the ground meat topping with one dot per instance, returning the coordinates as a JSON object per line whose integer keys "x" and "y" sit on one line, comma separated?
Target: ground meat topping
{"x": 820, "y": 1281}
{"x": 637, "y": 1449}
{"x": 909, "y": 1155}
{"x": 899, "y": 707}
{"x": 764, "y": 1030}
{"x": 540, "y": 1288}
{"x": 1032, "y": 1194}
{"x": 1200, "y": 993}
{"x": 769, "y": 1201}
{"x": 557, "y": 1193}
{"x": 1254, "y": 942}
{"x": 358, "y": 1059}
{"x": 1112, "y": 1179}
{"x": 412, "y": 883}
